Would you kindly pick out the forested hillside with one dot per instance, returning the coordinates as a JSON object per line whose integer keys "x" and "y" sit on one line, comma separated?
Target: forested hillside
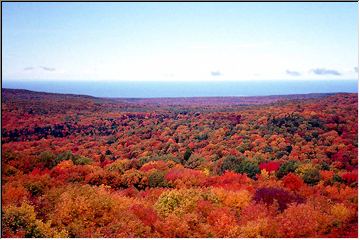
{"x": 79, "y": 166}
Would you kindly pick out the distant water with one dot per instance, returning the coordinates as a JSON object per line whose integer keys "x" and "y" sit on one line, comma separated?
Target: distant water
{"x": 138, "y": 89}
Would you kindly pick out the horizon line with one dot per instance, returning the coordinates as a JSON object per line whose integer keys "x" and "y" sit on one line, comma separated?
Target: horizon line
{"x": 177, "y": 97}
{"x": 168, "y": 81}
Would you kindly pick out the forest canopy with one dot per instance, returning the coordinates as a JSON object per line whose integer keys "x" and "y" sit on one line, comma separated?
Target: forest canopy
{"x": 78, "y": 166}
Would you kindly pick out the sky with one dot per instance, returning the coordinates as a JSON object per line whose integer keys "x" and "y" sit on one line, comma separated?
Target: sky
{"x": 179, "y": 41}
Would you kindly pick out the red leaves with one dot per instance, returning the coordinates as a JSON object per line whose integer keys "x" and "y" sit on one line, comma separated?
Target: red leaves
{"x": 270, "y": 195}
{"x": 229, "y": 180}
{"x": 293, "y": 182}
{"x": 204, "y": 207}
{"x": 138, "y": 155}
{"x": 270, "y": 166}
{"x": 181, "y": 177}
{"x": 350, "y": 177}
{"x": 191, "y": 145}
{"x": 147, "y": 215}
{"x": 339, "y": 156}
{"x": 39, "y": 172}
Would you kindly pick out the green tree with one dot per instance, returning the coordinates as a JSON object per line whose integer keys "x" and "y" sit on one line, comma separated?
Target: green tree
{"x": 251, "y": 168}
{"x": 286, "y": 168}
{"x": 80, "y": 160}
{"x": 187, "y": 154}
{"x": 311, "y": 176}
{"x": 242, "y": 165}
{"x": 48, "y": 159}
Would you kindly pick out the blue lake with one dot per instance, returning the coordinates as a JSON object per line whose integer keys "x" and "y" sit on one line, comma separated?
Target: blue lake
{"x": 137, "y": 89}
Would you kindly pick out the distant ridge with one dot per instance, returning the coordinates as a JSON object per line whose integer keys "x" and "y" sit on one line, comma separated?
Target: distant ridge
{"x": 25, "y": 91}
{"x": 23, "y": 95}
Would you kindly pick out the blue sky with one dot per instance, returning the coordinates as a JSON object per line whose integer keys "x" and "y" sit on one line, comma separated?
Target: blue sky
{"x": 179, "y": 41}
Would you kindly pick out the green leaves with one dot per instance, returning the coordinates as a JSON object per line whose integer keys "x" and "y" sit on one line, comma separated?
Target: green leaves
{"x": 240, "y": 165}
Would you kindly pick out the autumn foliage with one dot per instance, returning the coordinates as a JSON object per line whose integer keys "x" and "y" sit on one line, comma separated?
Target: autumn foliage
{"x": 272, "y": 167}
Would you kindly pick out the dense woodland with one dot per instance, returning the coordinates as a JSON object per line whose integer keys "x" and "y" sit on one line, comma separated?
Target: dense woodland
{"x": 78, "y": 166}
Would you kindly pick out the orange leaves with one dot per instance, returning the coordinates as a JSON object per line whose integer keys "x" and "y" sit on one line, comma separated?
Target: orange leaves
{"x": 236, "y": 200}
{"x": 92, "y": 212}
{"x": 312, "y": 219}
{"x": 223, "y": 222}
{"x": 64, "y": 165}
{"x": 259, "y": 228}
{"x": 326, "y": 176}
{"x": 13, "y": 194}
{"x": 341, "y": 193}
{"x": 182, "y": 177}
{"x": 173, "y": 226}
{"x": 158, "y": 165}
{"x": 341, "y": 213}
{"x": 134, "y": 178}
{"x": 299, "y": 221}
{"x": 140, "y": 182}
